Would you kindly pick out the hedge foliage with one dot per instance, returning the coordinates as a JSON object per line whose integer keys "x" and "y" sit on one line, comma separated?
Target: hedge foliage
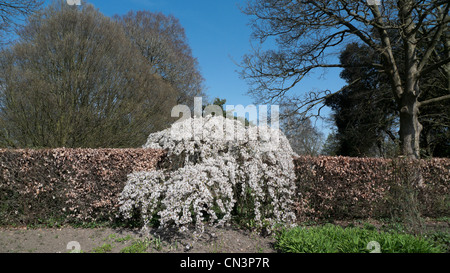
{"x": 348, "y": 188}
{"x": 72, "y": 185}
{"x": 84, "y": 185}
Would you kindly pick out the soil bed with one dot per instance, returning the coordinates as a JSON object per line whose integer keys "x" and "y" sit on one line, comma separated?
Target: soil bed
{"x": 56, "y": 240}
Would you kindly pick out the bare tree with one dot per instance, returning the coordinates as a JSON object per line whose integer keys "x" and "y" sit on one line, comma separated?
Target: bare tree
{"x": 163, "y": 42}
{"x": 74, "y": 79}
{"x": 12, "y": 10}
{"x": 306, "y": 31}
{"x": 303, "y": 136}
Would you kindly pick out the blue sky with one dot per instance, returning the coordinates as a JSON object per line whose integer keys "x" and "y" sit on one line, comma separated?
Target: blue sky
{"x": 219, "y": 36}
{"x": 217, "y": 33}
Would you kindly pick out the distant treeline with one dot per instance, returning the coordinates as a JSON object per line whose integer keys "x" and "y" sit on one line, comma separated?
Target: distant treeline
{"x": 77, "y": 78}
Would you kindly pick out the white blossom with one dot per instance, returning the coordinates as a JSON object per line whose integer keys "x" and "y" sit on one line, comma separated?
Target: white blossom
{"x": 213, "y": 170}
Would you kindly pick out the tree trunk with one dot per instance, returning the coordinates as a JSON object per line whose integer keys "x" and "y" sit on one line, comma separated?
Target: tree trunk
{"x": 410, "y": 126}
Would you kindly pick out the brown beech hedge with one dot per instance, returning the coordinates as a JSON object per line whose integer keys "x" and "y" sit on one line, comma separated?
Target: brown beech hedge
{"x": 83, "y": 185}
{"x": 345, "y": 188}
{"x": 66, "y": 185}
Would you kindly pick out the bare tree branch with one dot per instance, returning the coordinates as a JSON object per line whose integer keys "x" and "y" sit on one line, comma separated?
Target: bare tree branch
{"x": 422, "y": 103}
{"x": 443, "y": 25}
{"x": 432, "y": 67}
{"x": 12, "y": 10}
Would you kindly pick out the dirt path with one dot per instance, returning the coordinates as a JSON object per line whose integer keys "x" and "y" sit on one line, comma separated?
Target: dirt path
{"x": 46, "y": 240}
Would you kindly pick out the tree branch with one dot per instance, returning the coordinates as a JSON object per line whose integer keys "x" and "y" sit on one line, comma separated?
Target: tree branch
{"x": 313, "y": 102}
{"x": 436, "y": 38}
{"x": 422, "y": 103}
{"x": 354, "y": 30}
{"x": 434, "y": 66}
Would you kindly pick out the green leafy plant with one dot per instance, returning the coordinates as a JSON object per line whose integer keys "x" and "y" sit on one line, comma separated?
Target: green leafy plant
{"x": 123, "y": 239}
{"x": 139, "y": 246}
{"x": 335, "y": 239}
{"x": 103, "y": 249}
{"x": 441, "y": 238}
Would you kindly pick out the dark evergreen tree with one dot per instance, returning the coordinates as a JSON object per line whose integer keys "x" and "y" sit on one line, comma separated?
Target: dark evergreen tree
{"x": 365, "y": 112}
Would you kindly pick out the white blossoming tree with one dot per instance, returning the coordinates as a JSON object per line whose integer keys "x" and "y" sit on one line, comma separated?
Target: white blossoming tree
{"x": 216, "y": 169}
